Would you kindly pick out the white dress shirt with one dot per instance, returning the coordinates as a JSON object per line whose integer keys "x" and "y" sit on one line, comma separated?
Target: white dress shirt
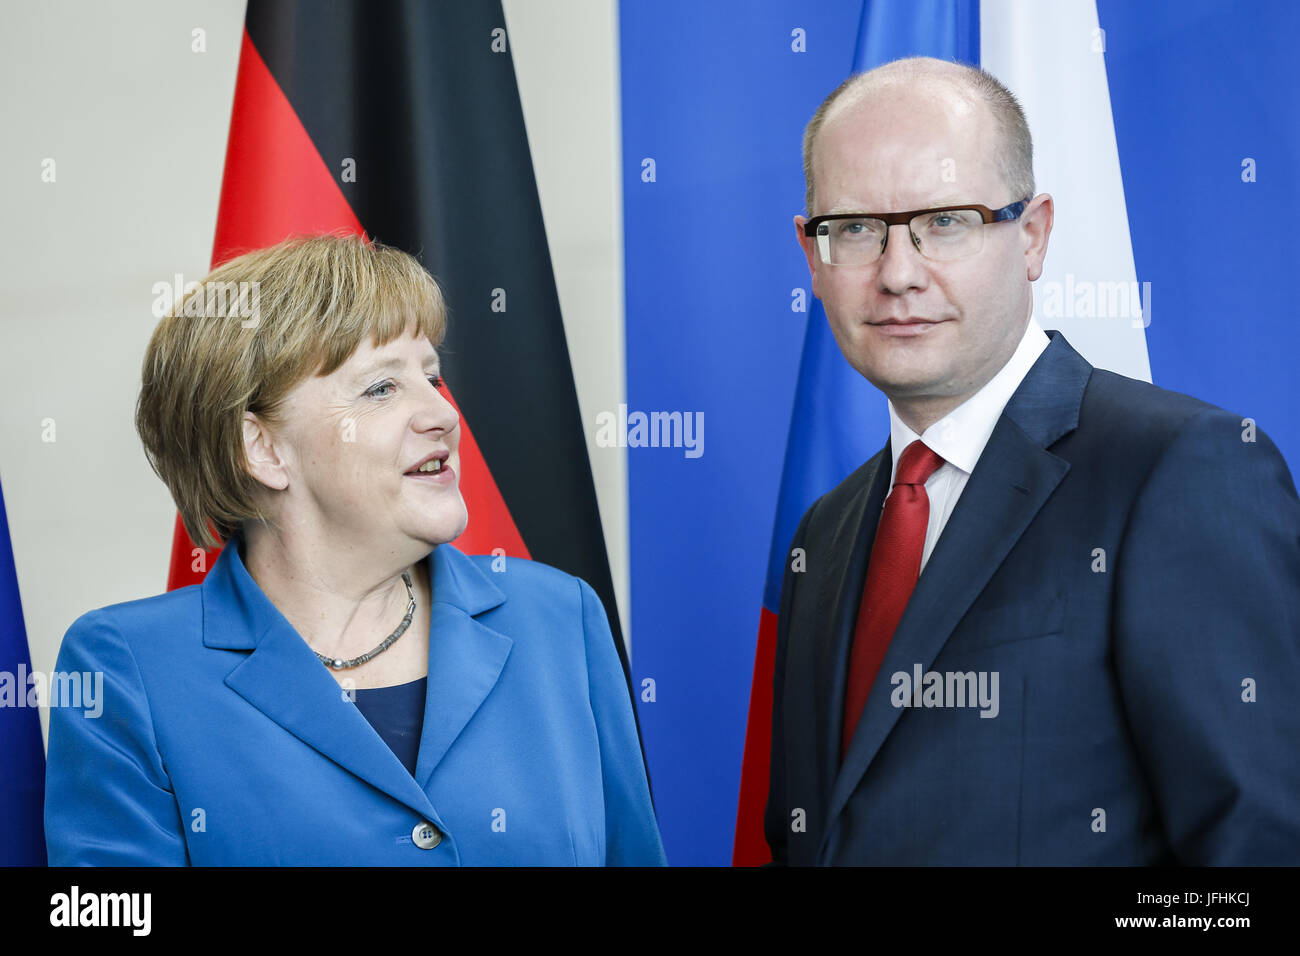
{"x": 960, "y": 436}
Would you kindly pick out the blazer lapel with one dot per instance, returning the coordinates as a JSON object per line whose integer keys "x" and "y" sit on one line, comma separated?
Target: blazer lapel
{"x": 466, "y": 657}
{"x": 1014, "y": 477}
{"x": 283, "y": 679}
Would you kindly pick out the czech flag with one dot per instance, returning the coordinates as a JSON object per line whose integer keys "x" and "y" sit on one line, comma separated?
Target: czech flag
{"x": 839, "y": 420}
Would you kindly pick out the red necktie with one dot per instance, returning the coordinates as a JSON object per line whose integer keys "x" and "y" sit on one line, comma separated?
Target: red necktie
{"x": 891, "y": 575}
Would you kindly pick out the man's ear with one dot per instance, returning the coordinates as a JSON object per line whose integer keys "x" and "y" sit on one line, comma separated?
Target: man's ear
{"x": 809, "y": 247}
{"x": 264, "y": 461}
{"x": 1035, "y": 228}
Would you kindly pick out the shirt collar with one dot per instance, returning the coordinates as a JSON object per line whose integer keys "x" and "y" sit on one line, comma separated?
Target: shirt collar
{"x": 960, "y": 436}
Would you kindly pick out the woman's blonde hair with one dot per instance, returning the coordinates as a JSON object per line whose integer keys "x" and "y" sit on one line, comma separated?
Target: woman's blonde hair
{"x": 243, "y": 338}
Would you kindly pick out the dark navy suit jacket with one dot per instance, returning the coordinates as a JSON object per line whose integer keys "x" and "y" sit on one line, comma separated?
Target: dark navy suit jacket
{"x": 223, "y": 741}
{"x": 1127, "y": 561}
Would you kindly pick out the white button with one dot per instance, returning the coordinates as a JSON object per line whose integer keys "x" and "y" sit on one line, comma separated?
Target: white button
{"x": 426, "y": 835}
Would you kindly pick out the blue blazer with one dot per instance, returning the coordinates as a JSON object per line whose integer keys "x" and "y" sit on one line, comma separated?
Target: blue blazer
{"x": 1126, "y": 560}
{"x": 224, "y": 741}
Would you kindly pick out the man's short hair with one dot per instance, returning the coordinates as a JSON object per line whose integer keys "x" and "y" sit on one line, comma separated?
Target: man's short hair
{"x": 1016, "y": 147}
{"x": 316, "y": 298}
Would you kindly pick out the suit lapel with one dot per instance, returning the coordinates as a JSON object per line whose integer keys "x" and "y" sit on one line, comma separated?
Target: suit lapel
{"x": 466, "y": 657}
{"x": 837, "y": 605}
{"x": 1011, "y": 482}
{"x": 283, "y": 679}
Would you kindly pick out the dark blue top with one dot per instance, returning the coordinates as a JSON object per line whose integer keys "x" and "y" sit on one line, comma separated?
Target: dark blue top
{"x": 397, "y": 714}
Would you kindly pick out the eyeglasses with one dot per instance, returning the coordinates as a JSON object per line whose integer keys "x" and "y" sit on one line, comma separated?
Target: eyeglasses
{"x": 857, "y": 239}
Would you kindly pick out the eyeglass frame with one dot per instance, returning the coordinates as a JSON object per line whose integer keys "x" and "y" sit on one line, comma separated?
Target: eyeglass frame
{"x": 1008, "y": 213}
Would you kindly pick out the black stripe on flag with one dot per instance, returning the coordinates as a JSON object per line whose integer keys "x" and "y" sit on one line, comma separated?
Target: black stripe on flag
{"x": 415, "y": 94}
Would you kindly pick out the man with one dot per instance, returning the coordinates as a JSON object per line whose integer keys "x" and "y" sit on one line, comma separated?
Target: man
{"x": 1055, "y": 620}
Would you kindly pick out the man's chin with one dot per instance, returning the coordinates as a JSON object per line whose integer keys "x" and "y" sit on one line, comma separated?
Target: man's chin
{"x": 901, "y": 381}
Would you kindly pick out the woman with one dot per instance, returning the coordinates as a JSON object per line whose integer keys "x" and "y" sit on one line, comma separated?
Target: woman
{"x": 345, "y": 687}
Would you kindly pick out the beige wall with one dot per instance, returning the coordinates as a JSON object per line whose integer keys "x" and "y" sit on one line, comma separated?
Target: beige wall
{"x": 566, "y": 63}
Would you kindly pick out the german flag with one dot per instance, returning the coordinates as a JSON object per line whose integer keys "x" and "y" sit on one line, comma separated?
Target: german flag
{"x": 401, "y": 120}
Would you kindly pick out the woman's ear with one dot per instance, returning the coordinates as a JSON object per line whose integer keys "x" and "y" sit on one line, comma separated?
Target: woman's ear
{"x": 264, "y": 460}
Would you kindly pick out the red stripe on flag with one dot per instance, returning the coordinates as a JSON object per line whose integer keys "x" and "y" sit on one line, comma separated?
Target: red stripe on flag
{"x": 751, "y": 847}
{"x": 277, "y": 185}
{"x": 188, "y": 566}
{"x": 490, "y": 523}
